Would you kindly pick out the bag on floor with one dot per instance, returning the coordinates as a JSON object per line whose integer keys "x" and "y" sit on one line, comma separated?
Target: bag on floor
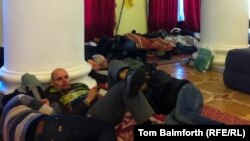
{"x": 204, "y": 59}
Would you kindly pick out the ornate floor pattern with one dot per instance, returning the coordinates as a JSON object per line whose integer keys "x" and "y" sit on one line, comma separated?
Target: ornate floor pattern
{"x": 215, "y": 93}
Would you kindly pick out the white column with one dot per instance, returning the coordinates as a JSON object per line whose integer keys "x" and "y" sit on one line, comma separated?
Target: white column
{"x": 41, "y": 35}
{"x": 1, "y": 25}
{"x": 224, "y": 26}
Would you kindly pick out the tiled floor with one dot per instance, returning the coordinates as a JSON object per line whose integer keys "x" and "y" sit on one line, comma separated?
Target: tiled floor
{"x": 215, "y": 93}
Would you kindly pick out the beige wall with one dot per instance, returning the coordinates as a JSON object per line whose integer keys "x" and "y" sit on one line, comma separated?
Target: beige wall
{"x": 132, "y": 18}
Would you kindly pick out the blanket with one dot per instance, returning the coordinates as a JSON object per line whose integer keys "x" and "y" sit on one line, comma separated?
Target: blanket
{"x": 149, "y": 43}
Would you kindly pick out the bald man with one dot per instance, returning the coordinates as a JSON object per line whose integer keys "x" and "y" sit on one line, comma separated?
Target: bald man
{"x": 123, "y": 95}
{"x": 76, "y": 97}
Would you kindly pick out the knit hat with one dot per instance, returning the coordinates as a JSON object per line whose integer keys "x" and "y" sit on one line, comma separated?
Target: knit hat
{"x": 134, "y": 81}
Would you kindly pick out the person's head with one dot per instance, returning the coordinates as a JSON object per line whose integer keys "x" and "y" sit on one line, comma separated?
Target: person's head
{"x": 100, "y": 60}
{"x": 60, "y": 79}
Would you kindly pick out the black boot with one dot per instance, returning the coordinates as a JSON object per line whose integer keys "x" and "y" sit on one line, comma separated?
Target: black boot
{"x": 135, "y": 81}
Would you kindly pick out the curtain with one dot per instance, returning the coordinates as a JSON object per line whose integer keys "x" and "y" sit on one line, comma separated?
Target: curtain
{"x": 192, "y": 12}
{"x": 162, "y": 14}
{"x": 99, "y": 18}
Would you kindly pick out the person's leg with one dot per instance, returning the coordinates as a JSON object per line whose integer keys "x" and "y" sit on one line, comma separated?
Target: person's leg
{"x": 114, "y": 68}
{"x": 134, "y": 100}
{"x": 139, "y": 107}
{"x": 77, "y": 128}
{"x": 189, "y": 106}
{"x": 110, "y": 102}
{"x": 118, "y": 102}
{"x": 170, "y": 119}
{"x": 118, "y": 99}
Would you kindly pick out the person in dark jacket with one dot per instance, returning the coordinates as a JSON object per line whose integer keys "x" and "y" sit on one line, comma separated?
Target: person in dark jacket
{"x": 179, "y": 99}
{"x": 123, "y": 94}
{"x": 73, "y": 98}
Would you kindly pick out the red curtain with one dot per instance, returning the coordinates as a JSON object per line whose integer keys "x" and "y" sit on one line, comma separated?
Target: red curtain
{"x": 99, "y": 18}
{"x": 162, "y": 14}
{"x": 192, "y": 12}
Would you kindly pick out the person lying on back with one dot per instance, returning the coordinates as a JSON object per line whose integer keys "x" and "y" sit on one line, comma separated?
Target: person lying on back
{"x": 75, "y": 98}
{"x": 121, "y": 96}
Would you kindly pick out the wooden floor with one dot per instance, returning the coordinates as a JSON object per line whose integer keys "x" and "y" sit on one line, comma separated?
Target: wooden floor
{"x": 215, "y": 93}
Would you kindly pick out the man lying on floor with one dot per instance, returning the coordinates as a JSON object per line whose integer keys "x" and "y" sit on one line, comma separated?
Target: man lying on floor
{"x": 179, "y": 99}
{"x": 78, "y": 98}
{"x": 25, "y": 118}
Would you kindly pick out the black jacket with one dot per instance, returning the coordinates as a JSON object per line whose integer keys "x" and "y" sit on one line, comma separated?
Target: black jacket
{"x": 162, "y": 92}
{"x": 76, "y": 106}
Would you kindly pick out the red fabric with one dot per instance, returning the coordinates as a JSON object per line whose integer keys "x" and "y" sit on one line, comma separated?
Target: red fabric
{"x": 125, "y": 130}
{"x": 192, "y": 12}
{"x": 99, "y": 18}
{"x": 162, "y": 14}
{"x": 149, "y": 43}
{"x": 226, "y": 118}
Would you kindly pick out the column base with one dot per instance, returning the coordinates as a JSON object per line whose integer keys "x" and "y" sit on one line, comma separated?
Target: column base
{"x": 10, "y": 80}
{"x": 220, "y": 56}
{"x": 218, "y": 68}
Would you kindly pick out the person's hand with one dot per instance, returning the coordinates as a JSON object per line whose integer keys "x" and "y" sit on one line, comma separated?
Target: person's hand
{"x": 104, "y": 65}
{"x": 45, "y": 101}
{"x": 94, "y": 65}
{"x": 92, "y": 94}
{"x": 123, "y": 74}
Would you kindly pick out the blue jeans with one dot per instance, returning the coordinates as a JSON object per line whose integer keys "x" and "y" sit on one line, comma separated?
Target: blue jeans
{"x": 188, "y": 108}
{"x": 77, "y": 128}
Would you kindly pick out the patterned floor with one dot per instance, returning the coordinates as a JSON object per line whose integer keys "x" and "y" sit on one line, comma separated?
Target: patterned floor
{"x": 215, "y": 93}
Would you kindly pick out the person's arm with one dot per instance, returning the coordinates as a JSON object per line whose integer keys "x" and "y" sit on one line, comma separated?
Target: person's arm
{"x": 79, "y": 109}
{"x": 83, "y": 107}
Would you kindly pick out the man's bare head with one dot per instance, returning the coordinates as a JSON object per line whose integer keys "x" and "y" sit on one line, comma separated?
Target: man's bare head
{"x": 60, "y": 79}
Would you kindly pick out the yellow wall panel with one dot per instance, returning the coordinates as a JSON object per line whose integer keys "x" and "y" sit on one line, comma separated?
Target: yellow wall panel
{"x": 133, "y": 17}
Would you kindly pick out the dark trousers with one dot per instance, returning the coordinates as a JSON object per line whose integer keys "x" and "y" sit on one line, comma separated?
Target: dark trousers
{"x": 77, "y": 128}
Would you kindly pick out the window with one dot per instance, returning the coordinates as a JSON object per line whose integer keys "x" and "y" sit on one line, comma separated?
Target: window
{"x": 181, "y": 16}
